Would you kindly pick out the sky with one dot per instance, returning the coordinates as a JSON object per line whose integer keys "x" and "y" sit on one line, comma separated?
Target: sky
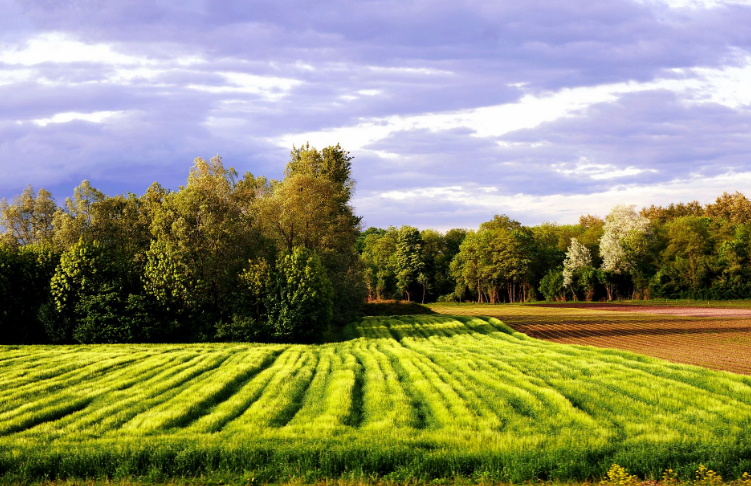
{"x": 454, "y": 110}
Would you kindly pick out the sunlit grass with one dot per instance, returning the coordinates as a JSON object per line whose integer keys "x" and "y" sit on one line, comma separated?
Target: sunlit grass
{"x": 404, "y": 398}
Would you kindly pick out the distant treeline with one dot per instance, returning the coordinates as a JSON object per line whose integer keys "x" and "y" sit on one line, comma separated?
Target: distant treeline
{"x": 222, "y": 258}
{"x": 679, "y": 251}
{"x": 246, "y": 258}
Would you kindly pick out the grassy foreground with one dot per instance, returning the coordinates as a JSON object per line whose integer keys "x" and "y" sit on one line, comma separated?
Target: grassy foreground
{"x": 407, "y": 398}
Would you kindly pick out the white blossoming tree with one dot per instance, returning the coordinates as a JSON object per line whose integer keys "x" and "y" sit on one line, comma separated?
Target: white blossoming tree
{"x": 577, "y": 268}
{"x": 622, "y": 242}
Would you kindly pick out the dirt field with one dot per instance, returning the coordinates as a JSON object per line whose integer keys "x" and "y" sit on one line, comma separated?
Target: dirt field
{"x": 666, "y": 310}
{"x": 715, "y": 338}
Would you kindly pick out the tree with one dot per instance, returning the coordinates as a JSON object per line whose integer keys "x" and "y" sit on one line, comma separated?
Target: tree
{"x": 469, "y": 268}
{"x": 311, "y": 207}
{"x": 290, "y": 300}
{"x": 25, "y": 274}
{"x": 552, "y": 285}
{"x": 734, "y": 208}
{"x": 300, "y": 301}
{"x": 28, "y": 219}
{"x": 623, "y": 241}
{"x": 510, "y": 258}
{"x": 575, "y": 268}
{"x": 202, "y": 236}
{"x": 74, "y": 220}
{"x": 408, "y": 263}
{"x": 378, "y": 249}
{"x": 690, "y": 245}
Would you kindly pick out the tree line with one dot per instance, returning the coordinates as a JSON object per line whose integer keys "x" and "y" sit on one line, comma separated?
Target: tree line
{"x": 678, "y": 251}
{"x": 223, "y": 257}
{"x": 246, "y": 258}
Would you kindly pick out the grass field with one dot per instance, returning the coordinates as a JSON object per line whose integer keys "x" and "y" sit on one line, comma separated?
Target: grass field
{"x": 717, "y": 342}
{"x": 403, "y": 398}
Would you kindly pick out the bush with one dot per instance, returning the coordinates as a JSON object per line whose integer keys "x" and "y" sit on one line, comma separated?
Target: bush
{"x": 91, "y": 301}
{"x": 452, "y": 297}
{"x": 551, "y": 285}
{"x": 25, "y": 274}
{"x": 290, "y": 301}
{"x": 300, "y": 299}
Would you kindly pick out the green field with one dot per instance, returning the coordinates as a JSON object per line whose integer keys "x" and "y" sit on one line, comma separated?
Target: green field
{"x": 410, "y": 397}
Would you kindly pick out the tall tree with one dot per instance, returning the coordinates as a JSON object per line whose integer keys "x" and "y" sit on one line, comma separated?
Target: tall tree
{"x": 408, "y": 263}
{"x": 203, "y": 235}
{"x": 312, "y": 208}
{"x": 624, "y": 240}
{"x": 27, "y": 220}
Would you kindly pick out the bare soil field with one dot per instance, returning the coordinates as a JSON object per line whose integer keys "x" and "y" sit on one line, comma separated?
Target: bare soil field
{"x": 714, "y": 338}
{"x": 655, "y": 309}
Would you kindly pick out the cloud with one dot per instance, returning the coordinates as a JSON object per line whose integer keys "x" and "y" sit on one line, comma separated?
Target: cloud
{"x": 448, "y": 101}
{"x": 470, "y": 205}
{"x": 96, "y": 117}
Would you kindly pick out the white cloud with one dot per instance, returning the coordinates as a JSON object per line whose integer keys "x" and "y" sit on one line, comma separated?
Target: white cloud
{"x": 586, "y": 169}
{"x": 727, "y": 86}
{"x": 270, "y": 87}
{"x": 491, "y": 121}
{"x": 59, "y": 48}
{"x": 95, "y": 117}
{"x": 696, "y": 4}
{"x": 12, "y": 76}
{"x": 564, "y": 208}
{"x": 406, "y": 70}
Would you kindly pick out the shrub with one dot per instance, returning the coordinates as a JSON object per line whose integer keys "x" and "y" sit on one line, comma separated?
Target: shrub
{"x": 551, "y": 285}
{"x": 300, "y": 300}
{"x": 91, "y": 301}
{"x": 25, "y": 274}
{"x": 289, "y": 301}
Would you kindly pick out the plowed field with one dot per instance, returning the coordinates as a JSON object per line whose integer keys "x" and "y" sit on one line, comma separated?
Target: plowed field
{"x": 714, "y": 338}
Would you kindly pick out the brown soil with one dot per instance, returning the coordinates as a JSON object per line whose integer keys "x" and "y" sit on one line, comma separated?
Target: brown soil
{"x": 665, "y": 310}
{"x": 714, "y": 338}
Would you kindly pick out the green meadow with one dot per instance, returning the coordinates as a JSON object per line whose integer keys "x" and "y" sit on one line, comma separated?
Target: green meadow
{"x": 395, "y": 398}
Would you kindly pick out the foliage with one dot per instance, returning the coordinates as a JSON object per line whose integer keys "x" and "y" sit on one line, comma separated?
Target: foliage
{"x": 578, "y": 257}
{"x": 25, "y": 273}
{"x": 177, "y": 256}
{"x": 92, "y": 301}
{"x": 552, "y": 286}
{"x": 300, "y": 298}
{"x": 27, "y": 220}
{"x": 291, "y": 300}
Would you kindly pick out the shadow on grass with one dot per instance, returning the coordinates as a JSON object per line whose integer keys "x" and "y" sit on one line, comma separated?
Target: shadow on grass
{"x": 395, "y": 308}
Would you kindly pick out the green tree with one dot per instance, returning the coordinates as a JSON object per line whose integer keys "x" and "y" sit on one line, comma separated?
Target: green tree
{"x": 378, "y": 249}
{"x": 25, "y": 274}
{"x": 469, "y": 266}
{"x": 552, "y": 285}
{"x": 202, "y": 236}
{"x": 689, "y": 249}
{"x": 312, "y": 208}
{"x": 28, "y": 219}
{"x": 407, "y": 260}
{"x": 299, "y": 299}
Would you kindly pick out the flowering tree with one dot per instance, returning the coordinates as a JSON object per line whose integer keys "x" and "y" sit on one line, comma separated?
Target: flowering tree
{"x": 578, "y": 256}
{"x": 578, "y": 273}
{"x": 623, "y": 241}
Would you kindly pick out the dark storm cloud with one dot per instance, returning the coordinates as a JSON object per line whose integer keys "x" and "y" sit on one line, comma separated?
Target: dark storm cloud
{"x": 174, "y": 78}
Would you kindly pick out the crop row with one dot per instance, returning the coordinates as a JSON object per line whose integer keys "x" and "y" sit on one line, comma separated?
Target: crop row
{"x": 430, "y": 395}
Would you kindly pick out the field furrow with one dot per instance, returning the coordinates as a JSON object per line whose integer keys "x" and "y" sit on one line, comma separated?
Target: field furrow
{"x": 429, "y": 396}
